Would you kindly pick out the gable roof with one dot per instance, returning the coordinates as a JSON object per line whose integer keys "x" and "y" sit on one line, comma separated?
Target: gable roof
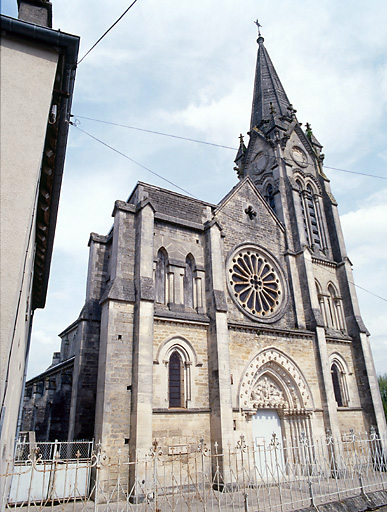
{"x": 247, "y": 182}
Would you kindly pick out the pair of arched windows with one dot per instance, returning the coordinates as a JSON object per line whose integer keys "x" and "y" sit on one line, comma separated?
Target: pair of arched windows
{"x": 339, "y": 382}
{"x": 165, "y": 280}
{"x": 331, "y": 307}
{"x": 311, "y": 213}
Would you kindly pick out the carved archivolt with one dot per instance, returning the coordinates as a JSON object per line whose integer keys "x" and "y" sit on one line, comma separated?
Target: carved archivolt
{"x": 273, "y": 381}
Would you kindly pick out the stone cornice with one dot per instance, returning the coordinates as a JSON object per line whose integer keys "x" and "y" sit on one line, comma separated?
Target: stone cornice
{"x": 324, "y": 263}
{"x": 330, "y": 339}
{"x": 68, "y": 363}
{"x": 178, "y": 221}
{"x": 273, "y": 331}
{"x": 101, "y": 239}
{"x": 181, "y": 318}
{"x": 126, "y": 207}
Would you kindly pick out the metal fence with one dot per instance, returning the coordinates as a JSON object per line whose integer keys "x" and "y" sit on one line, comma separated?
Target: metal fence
{"x": 239, "y": 478}
{"x": 48, "y": 450}
{"x": 47, "y": 472}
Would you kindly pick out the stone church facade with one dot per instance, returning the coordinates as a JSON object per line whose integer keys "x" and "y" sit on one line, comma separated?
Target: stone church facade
{"x": 214, "y": 321}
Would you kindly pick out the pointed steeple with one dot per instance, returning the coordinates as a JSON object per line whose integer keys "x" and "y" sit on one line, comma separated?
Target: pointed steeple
{"x": 269, "y": 99}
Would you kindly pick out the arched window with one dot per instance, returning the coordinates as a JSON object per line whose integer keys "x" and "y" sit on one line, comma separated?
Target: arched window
{"x": 336, "y": 384}
{"x": 339, "y": 384}
{"x": 314, "y": 227}
{"x": 161, "y": 276}
{"x": 305, "y": 222}
{"x": 335, "y": 311}
{"x": 176, "y": 380}
{"x": 189, "y": 281}
{"x": 270, "y": 196}
{"x": 321, "y": 301}
{"x": 332, "y": 319}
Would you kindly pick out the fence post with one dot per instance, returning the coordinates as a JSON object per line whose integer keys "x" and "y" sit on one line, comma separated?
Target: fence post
{"x": 242, "y": 447}
{"x": 305, "y": 445}
{"x": 274, "y": 443}
{"x": 156, "y": 454}
{"x": 311, "y": 493}
{"x": 246, "y": 497}
{"x": 97, "y": 470}
{"x": 202, "y": 448}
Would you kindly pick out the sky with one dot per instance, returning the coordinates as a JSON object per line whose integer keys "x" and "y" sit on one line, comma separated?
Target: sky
{"x": 187, "y": 68}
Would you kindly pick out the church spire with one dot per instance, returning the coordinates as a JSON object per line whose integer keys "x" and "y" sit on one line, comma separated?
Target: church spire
{"x": 269, "y": 99}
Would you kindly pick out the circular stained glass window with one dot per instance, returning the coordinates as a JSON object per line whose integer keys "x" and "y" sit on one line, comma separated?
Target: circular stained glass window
{"x": 256, "y": 283}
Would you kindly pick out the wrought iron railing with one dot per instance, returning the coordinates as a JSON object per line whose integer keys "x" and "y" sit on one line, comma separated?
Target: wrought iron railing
{"x": 241, "y": 477}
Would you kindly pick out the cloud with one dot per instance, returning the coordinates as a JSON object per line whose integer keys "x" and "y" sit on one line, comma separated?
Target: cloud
{"x": 363, "y": 228}
{"x": 188, "y": 68}
{"x": 216, "y": 118}
{"x": 379, "y": 349}
{"x": 365, "y": 234}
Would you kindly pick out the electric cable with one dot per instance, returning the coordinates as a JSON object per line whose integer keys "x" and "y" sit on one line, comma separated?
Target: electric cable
{"x": 157, "y": 133}
{"x": 213, "y": 144}
{"x": 185, "y": 191}
{"x": 356, "y": 172}
{"x": 132, "y": 160}
{"x": 107, "y": 31}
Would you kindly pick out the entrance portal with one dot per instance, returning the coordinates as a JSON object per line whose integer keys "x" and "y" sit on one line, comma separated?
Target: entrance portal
{"x": 266, "y": 423}
{"x": 268, "y": 445}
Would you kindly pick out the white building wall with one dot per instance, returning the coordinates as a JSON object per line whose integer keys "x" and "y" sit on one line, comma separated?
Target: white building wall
{"x": 27, "y": 82}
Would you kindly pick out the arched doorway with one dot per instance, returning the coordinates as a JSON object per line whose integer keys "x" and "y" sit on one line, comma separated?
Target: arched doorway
{"x": 277, "y": 404}
{"x": 273, "y": 382}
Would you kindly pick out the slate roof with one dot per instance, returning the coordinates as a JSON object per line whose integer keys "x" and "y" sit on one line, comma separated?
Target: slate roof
{"x": 176, "y": 205}
{"x": 267, "y": 90}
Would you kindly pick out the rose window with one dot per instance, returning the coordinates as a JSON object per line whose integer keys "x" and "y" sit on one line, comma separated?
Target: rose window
{"x": 255, "y": 283}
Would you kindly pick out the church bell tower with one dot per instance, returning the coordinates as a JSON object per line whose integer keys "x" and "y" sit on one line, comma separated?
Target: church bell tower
{"x": 285, "y": 162}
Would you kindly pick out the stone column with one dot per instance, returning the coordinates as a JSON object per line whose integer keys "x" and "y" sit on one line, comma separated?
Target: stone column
{"x": 140, "y": 441}
{"x": 218, "y": 344}
{"x": 326, "y": 385}
{"x": 328, "y": 394}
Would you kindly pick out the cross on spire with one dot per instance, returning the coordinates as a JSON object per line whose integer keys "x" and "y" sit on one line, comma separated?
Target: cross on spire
{"x": 258, "y": 26}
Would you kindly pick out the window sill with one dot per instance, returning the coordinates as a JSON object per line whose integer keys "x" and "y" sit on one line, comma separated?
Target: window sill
{"x": 181, "y": 410}
{"x": 347, "y": 408}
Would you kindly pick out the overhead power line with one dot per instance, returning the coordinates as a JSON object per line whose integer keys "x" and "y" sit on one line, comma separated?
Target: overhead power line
{"x": 157, "y": 133}
{"x": 356, "y": 172}
{"x": 211, "y": 143}
{"x": 185, "y": 191}
{"x": 372, "y": 293}
{"x": 132, "y": 160}
{"x": 107, "y": 31}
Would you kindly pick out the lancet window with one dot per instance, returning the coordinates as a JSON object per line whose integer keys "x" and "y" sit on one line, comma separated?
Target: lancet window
{"x": 189, "y": 287}
{"x": 339, "y": 382}
{"x": 269, "y": 196}
{"x": 311, "y": 214}
{"x": 304, "y": 218}
{"x": 161, "y": 276}
{"x": 315, "y": 235}
{"x": 321, "y": 301}
{"x": 175, "y": 365}
{"x": 176, "y": 380}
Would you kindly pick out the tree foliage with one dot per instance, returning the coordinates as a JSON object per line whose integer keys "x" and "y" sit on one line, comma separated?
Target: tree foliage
{"x": 382, "y": 380}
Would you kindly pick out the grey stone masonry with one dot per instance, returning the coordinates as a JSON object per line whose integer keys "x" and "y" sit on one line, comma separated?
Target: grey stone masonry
{"x": 204, "y": 323}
